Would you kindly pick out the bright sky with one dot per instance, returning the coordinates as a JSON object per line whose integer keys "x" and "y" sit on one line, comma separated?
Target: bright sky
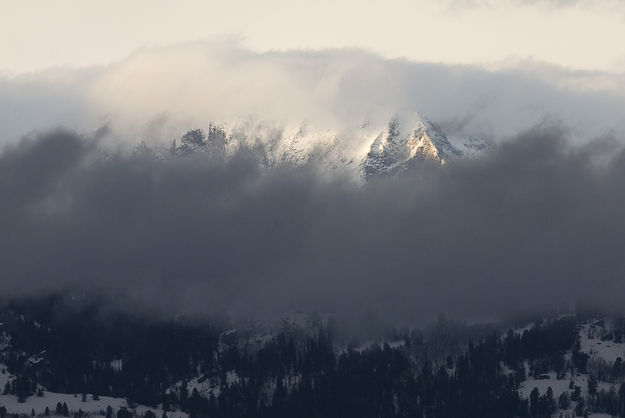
{"x": 572, "y": 33}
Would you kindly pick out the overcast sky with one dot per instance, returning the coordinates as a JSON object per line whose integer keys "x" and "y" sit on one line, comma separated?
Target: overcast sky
{"x": 577, "y": 34}
{"x": 151, "y": 69}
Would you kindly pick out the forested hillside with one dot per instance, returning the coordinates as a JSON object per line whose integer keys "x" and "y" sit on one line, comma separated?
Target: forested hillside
{"x": 309, "y": 365}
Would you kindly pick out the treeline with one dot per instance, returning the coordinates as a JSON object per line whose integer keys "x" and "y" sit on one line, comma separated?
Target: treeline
{"x": 202, "y": 369}
{"x": 83, "y": 348}
{"x": 62, "y": 410}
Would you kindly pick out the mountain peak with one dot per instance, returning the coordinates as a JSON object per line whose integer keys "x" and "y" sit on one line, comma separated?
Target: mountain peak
{"x": 366, "y": 152}
{"x": 419, "y": 139}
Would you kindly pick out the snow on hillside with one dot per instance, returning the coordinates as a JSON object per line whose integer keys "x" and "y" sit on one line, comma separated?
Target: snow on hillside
{"x": 74, "y": 402}
{"x": 597, "y": 341}
{"x": 470, "y": 147}
{"x": 369, "y": 345}
{"x": 558, "y": 386}
{"x": 207, "y": 386}
{"x": 520, "y": 331}
{"x": 591, "y": 343}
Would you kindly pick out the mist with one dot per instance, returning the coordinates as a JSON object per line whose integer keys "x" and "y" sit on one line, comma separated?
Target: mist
{"x": 535, "y": 225}
{"x": 157, "y": 94}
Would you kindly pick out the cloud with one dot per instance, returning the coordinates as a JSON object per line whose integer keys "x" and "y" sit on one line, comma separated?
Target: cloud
{"x": 157, "y": 94}
{"x": 554, "y": 4}
{"x": 535, "y": 225}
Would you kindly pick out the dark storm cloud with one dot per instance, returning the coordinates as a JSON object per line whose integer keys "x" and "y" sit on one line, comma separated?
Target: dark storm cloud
{"x": 535, "y": 225}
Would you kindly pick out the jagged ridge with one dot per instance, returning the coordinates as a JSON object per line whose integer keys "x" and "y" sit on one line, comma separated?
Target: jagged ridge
{"x": 363, "y": 153}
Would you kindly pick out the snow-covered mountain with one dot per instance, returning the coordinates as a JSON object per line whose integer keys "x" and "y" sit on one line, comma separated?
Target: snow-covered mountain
{"x": 363, "y": 152}
{"x": 401, "y": 146}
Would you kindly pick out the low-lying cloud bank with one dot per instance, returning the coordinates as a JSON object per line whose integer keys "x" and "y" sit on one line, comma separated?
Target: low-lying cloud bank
{"x": 535, "y": 225}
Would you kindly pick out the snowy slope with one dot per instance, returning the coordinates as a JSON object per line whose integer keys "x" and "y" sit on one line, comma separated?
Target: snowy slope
{"x": 559, "y": 386}
{"x": 74, "y": 402}
{"x": 358, "y": 152}
{"x": 595, "y": 340}
{"x": 592, "y": 344}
